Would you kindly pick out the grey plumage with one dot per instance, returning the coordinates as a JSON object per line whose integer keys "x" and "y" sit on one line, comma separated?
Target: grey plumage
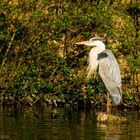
{"x": 110, "y": 74}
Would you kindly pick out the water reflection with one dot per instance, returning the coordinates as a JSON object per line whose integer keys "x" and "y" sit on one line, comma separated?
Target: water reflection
{"x": 65, "y": 124}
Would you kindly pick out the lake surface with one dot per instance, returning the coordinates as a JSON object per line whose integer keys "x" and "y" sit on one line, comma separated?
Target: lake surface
{"x": 65, "y": 124}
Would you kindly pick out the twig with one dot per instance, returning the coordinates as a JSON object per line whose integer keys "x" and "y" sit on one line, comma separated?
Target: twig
{"x": 9, "y": 46}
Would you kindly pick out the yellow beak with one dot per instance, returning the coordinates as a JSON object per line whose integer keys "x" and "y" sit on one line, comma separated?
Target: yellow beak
{"x": 87, "y": 43}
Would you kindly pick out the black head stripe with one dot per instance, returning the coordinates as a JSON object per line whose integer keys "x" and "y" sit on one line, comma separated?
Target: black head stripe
{"x": 102, "y": 55}
{"x": 95, "y": 39}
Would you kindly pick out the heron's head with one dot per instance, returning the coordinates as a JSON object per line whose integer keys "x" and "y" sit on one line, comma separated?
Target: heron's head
{"x": 95, "y": 42}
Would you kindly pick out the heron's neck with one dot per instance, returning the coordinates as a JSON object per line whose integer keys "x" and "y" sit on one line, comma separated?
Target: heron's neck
{"x": 95, "y": 51}
{"x": 92, "y": 60}
{"x": 99, "y": 48}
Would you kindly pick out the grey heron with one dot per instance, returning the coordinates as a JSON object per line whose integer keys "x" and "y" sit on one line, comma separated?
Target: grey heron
{"x": 103, "y": 62}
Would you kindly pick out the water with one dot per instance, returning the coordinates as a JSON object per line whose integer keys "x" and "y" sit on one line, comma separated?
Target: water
{"x": 65, "y": 124}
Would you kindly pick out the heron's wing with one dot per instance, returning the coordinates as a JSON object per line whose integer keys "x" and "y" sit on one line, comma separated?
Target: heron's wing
{"x": 110, "y": 73}
{"x": 108, "y": 67}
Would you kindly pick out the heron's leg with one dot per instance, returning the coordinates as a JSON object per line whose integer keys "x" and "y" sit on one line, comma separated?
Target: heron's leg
{"x": 108, "y": 103}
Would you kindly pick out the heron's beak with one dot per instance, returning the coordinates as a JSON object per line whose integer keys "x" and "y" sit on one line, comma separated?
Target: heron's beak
{"x": 87, "y": 43}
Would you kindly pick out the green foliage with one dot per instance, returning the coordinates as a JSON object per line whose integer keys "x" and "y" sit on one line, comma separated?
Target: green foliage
{"x": 39, "y": 61}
